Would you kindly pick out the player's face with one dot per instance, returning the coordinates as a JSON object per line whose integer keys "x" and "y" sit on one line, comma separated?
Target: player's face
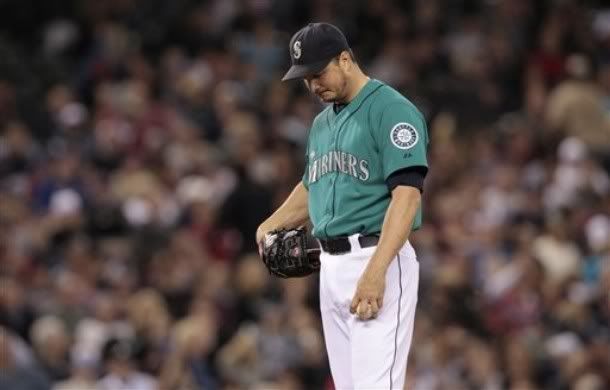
{"x": 330, "y": 84}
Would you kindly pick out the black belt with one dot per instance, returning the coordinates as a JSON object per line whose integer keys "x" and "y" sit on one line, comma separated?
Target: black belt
{"x": 341, "y": 245}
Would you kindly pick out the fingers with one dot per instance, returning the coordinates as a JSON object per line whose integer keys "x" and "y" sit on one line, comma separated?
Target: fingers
{"x": 363, "y": 311}
{"x": 366, "y": 299}
{"x": 374, "y": 308}
{"x": 354, "y": 305}
{"x": 365, "y": 308}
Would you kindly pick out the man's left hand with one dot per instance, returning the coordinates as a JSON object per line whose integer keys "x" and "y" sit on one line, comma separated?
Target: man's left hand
{"x": 369, "y": 291}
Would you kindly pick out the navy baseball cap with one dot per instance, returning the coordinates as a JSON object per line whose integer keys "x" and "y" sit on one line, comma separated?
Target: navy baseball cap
{"x": 312, "y": 48}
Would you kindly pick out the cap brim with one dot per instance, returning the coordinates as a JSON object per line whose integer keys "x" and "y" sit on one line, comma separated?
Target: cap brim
{"x": 301, "y": 71}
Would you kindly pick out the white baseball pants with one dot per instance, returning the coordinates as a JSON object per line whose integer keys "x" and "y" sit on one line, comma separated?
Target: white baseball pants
{"x": 369, "y": 354}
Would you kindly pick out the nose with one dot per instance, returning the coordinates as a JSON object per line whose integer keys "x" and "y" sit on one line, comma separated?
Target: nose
{"x": 314, "y": 84}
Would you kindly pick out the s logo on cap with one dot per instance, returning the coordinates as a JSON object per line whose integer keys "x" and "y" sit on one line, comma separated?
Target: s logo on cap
{"x": 296, "y": 50}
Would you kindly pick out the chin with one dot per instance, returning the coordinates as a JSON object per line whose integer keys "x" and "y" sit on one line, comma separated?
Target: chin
{"x": 328, "y": 98}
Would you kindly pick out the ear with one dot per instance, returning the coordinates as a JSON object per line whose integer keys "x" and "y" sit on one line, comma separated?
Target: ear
{"x": 345, "y": 61}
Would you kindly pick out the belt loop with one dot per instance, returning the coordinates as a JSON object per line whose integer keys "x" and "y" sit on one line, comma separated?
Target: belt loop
{"x": 353, "y": 241}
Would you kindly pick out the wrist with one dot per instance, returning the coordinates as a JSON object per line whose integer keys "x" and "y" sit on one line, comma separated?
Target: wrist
{"x": 263, "y": 229}
{"x": 260, "y": 232}
{"x": 377, "y": 268}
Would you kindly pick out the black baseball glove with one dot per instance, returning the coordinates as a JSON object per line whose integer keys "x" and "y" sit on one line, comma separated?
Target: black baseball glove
{"x": 286, "y": 253}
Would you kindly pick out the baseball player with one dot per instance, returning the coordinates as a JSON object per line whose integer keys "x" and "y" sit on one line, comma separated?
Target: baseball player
{"x": 361, "y": 191}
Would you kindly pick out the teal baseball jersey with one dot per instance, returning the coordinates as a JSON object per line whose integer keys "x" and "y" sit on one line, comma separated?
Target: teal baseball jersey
{"x": 351, "y": 153}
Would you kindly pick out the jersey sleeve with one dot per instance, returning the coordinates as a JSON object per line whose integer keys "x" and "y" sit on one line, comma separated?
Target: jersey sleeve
{"x": 401, "y": 136}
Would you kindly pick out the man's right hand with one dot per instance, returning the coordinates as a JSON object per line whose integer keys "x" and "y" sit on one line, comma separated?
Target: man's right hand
{"x": 293, "y": 212}
{"x": 260, "y": 235}
{"x": 261, "y": 232}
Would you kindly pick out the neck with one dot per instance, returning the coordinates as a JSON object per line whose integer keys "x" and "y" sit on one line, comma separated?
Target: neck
{"x": 356, "y": 84}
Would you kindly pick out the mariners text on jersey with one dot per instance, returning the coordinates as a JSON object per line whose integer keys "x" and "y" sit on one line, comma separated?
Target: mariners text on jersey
{"x": 338, "y": 161}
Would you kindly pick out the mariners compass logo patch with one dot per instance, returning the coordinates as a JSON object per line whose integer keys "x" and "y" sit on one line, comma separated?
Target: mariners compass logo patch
{"x": 404, "y": 135}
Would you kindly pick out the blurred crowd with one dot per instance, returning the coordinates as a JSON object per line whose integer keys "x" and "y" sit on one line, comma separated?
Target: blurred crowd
{"x": 143, "y": 141}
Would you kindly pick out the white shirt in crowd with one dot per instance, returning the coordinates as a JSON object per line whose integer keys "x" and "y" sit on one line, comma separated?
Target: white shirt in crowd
{"x": 135, "y": 381}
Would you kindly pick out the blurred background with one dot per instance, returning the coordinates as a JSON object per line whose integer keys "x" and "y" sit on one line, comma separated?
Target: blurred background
{"x": 143, "y": 141}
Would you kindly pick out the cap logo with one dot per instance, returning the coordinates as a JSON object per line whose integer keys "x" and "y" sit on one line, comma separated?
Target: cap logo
{"x": 296, "y": 50}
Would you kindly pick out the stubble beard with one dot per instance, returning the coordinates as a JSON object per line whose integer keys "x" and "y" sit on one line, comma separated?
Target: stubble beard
{"x": 337, "y": 97}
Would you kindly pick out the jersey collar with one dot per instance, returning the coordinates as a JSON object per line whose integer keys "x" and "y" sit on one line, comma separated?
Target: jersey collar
{"x": 371, "y": 86}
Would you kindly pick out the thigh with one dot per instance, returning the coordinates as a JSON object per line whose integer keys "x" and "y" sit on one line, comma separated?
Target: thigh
{"x": 338, "y": 349}
{"x": 380, "y": 346}
{"x": 336, "y": 332}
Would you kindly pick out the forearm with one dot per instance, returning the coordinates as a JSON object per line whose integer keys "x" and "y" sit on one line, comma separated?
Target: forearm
{"x": 396, "y": 226}
{"x": 291, "y": 214}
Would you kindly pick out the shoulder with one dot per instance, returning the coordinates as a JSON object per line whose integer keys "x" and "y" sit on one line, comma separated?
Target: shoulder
{"x": 387, "y": 99}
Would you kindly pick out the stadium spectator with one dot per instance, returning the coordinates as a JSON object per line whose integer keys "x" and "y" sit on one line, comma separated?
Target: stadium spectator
{"x": 142, "y": 142}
